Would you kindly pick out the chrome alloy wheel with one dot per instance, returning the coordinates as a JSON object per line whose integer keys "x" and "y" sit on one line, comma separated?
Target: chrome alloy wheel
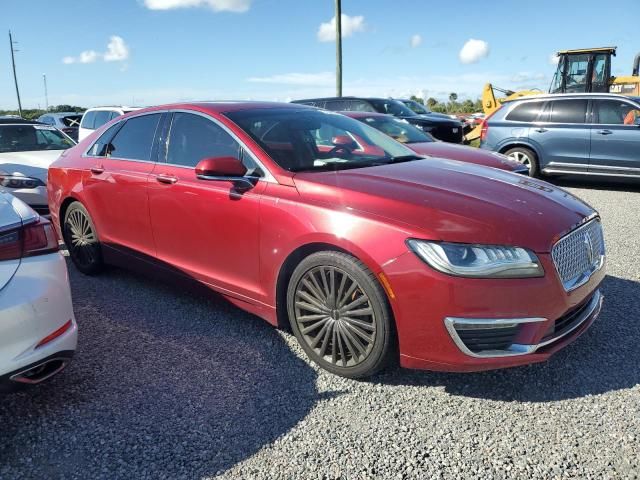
{"x": 335, "y": 316}
{"x": 80, "y": 238}
{"x": 522, "y": 158}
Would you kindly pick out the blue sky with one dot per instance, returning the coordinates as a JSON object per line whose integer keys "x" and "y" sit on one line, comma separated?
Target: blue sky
{"x": 157, "y": 51}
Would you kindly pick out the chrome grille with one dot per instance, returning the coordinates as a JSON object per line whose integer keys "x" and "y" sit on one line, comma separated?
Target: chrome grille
{"x": 579, "y": 254}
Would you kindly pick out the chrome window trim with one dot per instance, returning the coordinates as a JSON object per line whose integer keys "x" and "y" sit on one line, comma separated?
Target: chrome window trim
{"x": 593, "y": 309}
{"x": 268, "y": 177}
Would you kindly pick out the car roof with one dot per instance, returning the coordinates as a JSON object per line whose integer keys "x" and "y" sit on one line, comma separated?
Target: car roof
{"x": 352, "y": 114}
{"x": 342, "y": 98}
{"x": 17, "y": 121}
{"x": 113, "y": 107}
{"x": 227, "y": 106}
{"x": 551, "y": 96}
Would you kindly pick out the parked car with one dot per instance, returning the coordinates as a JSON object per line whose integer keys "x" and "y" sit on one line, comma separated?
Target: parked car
{"x": 26, "y": 150}
{"x": 68, "y": 122}
{"x": 575, "y": 134}
{"x": 441, "y": 127}
{"x": 38, "y": 329}
{"x": 363, "y": 252}
{"x": 424, "y": 144}
{"x": 421, "y": 109}
{"x": 95, "y": 117}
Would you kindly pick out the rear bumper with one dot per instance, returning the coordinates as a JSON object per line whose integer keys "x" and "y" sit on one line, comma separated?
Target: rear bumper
{"x": 34, "y": 304}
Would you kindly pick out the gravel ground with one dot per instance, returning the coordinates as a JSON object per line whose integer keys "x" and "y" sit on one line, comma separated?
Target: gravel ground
{"x": 170, "y": 383}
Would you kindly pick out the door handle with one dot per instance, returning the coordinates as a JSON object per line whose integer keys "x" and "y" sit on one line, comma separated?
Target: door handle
{"x": 540, "y": 130}
{"x": 97, "y": 170}
{"x": 168, "y": 179}
{"x": 605, "y": 132}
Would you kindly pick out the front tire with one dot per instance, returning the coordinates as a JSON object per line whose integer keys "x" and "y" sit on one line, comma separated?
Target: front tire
{"x": 527, "y": 157}
{"x": 81, "y": 239}
{"x": 340, "y": 314}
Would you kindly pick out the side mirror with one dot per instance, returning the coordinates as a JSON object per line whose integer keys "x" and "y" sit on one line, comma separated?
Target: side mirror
{"x": 220, "y": 167}
{"x": 228, "y": 169}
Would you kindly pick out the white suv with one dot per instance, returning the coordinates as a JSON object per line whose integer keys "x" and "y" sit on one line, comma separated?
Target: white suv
{"x": 95, "y": 117}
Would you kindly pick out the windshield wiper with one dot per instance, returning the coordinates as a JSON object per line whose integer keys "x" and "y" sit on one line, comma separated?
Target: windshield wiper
{"x": 405, "y": 158}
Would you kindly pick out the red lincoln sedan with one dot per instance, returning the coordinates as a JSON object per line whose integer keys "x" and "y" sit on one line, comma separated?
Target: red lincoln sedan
{"x": 316, "y": 221}
{"x": 424, "y": 144}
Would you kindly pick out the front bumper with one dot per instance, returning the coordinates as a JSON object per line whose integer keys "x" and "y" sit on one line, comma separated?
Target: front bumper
{"x": 428, "y": 304}
{"x": 35, "y": 303}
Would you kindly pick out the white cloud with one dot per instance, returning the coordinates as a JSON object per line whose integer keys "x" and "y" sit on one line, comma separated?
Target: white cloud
{"x": 350, "y": 25}
{"x": 117, "y": 51}
{"x": 554, "y": 59}
{"x": 473, "y": 50}
{"x": 237, "y": 6}
{"x": 306, "y": 79}
{"x": 416, "y": 41}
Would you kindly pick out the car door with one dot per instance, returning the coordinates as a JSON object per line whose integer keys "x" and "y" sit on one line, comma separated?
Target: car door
{"x": 561, "y": 135}
{"x": 115, "y": 187}
{"x": 615, "y": 137}
{"x": 206, "y": 229}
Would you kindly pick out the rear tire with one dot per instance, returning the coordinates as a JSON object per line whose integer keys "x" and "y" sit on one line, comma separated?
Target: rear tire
{"x": 527, "y": 157}
{"x": 340, "y": 314}
{"x": 81, "y": 239}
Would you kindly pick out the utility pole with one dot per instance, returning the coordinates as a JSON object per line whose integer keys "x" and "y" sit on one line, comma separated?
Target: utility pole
{"x": 46, "y": 94}
{"x": 15, "y": 78}
{"x": 338, "y": 48}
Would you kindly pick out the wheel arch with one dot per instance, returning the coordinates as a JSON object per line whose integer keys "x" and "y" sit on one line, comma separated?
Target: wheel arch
{"x": 520, "y": 144}
{"x": 63, "y": 210}
{"x": 286, "y": 270}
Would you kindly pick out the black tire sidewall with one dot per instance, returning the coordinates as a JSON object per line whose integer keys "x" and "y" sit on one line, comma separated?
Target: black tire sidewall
{"x": 535, "y": 166}
{"x": 382, "y": 349}
{"x": 96, "y": 266}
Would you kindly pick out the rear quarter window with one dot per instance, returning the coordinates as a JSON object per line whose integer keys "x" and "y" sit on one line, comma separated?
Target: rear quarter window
{"x": 88, "y": 120}
{"x": 525, "y": 112}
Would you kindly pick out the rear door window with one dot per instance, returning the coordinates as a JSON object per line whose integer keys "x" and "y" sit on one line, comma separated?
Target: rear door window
{"x": 525, "y": 112}
{"x": 337, "y": 105}
{"x": 102, "y": 117}
{"x": 88, "y": 119}
{"x": 568, "y": 111}
{"x": 134, "y": 141}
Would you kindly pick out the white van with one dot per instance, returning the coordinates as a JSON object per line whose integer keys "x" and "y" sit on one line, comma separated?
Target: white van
{"x": 95, "y": 117}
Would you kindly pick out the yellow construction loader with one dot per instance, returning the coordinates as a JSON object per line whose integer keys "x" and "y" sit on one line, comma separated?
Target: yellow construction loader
{"x": 578, "y": 71}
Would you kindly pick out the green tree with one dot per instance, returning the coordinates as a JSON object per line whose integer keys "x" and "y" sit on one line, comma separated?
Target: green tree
{"x": 417, "y": 99}
{"x": 453, "y": 96}
{"x": 431, "y": 102}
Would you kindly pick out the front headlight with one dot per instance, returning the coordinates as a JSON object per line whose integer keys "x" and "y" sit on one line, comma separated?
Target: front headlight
{"x": 19, "y": 181}
{"x": 478, "y": 261}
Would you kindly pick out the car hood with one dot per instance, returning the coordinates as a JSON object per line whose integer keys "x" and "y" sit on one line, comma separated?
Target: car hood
{"x": 30, "y": 164}
{"x": 465, "y": 154}
{"x": 452, "y": 201}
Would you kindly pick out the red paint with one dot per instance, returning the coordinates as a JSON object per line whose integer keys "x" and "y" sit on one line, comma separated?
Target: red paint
{"x": 236, "y": 241}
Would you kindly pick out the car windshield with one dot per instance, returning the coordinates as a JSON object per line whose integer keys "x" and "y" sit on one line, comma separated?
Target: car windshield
{"x": 30, "y": 138}
{"x": 399, "y": 130}
{"x": 309, "y": 140}
{"x": 392, "y": 107}
{"x": 417, "y": 107}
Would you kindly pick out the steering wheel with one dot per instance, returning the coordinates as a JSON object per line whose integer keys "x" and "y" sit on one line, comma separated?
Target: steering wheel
{"x": 340, "y": 148}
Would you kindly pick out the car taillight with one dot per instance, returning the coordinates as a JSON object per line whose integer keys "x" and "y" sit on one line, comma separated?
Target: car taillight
{"x": 484, "y": 130}
{"x": 37, "y": 238}
{"x": 10, "y": 245}
{"x": 52, "y": 336}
